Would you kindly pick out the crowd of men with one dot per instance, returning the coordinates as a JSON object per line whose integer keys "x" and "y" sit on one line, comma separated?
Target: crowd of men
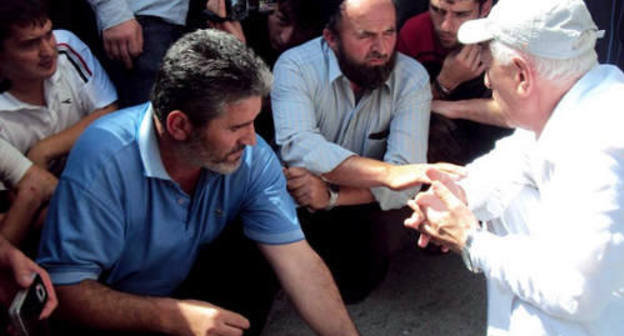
{"x": 151, "y": 206}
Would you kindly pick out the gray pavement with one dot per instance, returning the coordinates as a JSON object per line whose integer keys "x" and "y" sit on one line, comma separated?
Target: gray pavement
{"x": 422, "y": 295}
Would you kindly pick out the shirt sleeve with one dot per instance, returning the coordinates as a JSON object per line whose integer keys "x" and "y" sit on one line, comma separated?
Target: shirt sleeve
{"x": 84, "y": 232}
{"x": 296, "y": 131}
{"x": 409, "y": 128}
{"x": 98, "y": 91}
{"x": 110, "y": 13}
{"x": 269, "y": 214}
{"x": 496, "y": 178}
{"x": 571, "y": 263}
{"x": 13, "y": 165}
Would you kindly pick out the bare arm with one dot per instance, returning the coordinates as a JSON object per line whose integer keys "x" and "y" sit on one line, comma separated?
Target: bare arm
{"x": 33, "y": 191}
{"x": 61, "y": 143}
{"x": 97, "y": 306}
{"x": 310, "y": 286}
{"x": 485, "y": 111}
{"x": 375, "y": 173}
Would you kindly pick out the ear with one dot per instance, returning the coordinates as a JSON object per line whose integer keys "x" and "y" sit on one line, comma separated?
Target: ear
{"x": 523, "y": 77}
{"x": 178, "y": 125}
{"x": 330, "y": 38}
{"x": 486, "y": 6}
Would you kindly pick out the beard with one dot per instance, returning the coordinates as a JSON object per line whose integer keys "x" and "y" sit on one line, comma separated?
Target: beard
{"x": 199, "y": 153}
{"x": 365, "y": 76}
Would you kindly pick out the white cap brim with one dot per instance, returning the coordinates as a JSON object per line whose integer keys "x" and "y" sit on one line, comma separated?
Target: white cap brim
{"x": 475, "y": 31}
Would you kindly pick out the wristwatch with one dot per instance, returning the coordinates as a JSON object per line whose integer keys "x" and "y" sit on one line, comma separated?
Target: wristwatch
{"x": 333, "y": 190}
{"x": 444, "y": 91}
{"x": 465, "y": 252}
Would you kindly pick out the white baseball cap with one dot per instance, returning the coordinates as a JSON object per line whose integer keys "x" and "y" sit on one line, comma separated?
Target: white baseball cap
{"x": 559, "y": 29}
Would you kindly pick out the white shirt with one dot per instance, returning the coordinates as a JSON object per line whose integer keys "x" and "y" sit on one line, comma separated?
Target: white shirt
{"x": 554, "y": 261}
{"x": 78, "y": 87}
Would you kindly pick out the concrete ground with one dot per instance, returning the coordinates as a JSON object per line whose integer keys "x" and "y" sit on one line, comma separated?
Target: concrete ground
{"x": 422, "y": 295}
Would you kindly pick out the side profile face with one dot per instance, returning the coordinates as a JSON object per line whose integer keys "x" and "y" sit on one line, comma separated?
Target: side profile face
{"x": 29, "y": 54}
{"x": 448, "y": 16}
{"x": 283, "y": 30}
{"x": 219, "y": 145}
{"x": 500, "y": 79}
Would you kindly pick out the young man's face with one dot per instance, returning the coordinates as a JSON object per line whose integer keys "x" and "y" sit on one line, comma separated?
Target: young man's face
{"x": 219, "y": 145}
{"x": 29, "y": 54}
{"x": 366, "y": 39}
{"x": 448, "y": 16}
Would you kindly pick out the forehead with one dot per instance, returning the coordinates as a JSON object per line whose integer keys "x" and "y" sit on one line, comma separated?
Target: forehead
{"x": 369, "y": 15}
{"x": 455, "y": 5}
{"x": 30, "y": 30}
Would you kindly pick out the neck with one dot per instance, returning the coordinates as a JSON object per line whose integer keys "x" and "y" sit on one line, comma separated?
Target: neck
{"x": 28, "y": 92}
{"x": 176, "y": 165}
{"x": 547, "y": 102}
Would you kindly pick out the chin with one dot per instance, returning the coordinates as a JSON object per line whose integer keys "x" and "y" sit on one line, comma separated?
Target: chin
{"x": 224, "y": 168}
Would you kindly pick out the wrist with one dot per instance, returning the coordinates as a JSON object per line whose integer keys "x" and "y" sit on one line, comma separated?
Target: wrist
{"x": 167, "y": 313}
{"x": 443, "y": 86}
{"x": 467, "y": 249}
{"x": 332, "y": 190}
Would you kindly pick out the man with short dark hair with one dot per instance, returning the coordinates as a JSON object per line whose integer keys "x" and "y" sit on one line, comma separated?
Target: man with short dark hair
{"x": 348, "y": 112}
{"x": 52, "y": 88}
{"x": 456, "y": 74}
{"x": 146, "y": 188}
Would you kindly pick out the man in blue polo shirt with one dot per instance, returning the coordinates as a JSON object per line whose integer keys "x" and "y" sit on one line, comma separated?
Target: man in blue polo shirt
{"x": 145, "y": 188}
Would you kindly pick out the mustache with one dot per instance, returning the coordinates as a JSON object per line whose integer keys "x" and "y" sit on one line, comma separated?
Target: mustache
{"x": 236, "y": 150}
{"x": 377, "y": 55}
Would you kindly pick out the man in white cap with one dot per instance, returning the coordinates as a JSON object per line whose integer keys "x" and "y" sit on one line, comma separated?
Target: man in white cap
{"x": 553, "y": 192}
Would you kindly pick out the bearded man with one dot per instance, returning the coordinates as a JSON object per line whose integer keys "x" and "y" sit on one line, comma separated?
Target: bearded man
{"x": 348, "y": 110}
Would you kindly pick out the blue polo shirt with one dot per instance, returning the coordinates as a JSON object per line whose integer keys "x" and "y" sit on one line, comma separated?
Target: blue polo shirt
{"x": 118, "y": 217}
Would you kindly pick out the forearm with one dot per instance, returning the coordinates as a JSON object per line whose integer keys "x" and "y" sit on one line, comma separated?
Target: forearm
{"x": 61, "y": 143}
{"x": 20, "y": 216}
{"x": 94, "y": 305}
{"x": 360, "y": 172}
{"x": 309, "y": 284}
{"x": 354, "y": 196}
{"x": 484, "y": 111}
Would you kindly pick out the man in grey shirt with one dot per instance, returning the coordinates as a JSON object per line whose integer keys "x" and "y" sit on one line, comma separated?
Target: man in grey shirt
{"x": 349, "y": 113}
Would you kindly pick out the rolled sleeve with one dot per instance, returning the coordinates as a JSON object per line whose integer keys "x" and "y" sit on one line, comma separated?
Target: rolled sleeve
{"x": 409, "y": 129}
{"x": 110, "y": 13}
{"x": 14, "y": 164}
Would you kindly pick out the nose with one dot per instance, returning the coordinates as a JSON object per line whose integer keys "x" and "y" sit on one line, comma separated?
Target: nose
{"x": 381, "y": 45}
{"x": 448, "y": 23}
{"x": 249, "y": 139}
{"x": 47, "y": 47}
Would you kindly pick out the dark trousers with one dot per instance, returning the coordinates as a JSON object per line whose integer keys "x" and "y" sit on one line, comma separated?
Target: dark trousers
{"x": 356, "y": 243}
{"x": 230, "y": 273}
{"x": 134, "y": 86}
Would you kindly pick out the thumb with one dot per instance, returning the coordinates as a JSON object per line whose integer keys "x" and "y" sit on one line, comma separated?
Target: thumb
{"x": 445, "y": 195}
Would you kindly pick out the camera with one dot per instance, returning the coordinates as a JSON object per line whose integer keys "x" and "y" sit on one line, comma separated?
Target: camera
{"x": 237, "y": 9}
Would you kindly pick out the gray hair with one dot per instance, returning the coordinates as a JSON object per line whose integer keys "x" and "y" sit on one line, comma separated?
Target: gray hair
{"x": 556, "y": 70}
{"x": 205, "y": 70}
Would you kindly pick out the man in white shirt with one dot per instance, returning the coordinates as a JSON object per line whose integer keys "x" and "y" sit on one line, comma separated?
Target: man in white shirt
{"x": 52, "y": 88}
{"x": 553, "y": 192}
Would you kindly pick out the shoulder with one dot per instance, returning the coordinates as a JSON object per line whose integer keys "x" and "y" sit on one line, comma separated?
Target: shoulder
{"x": 417, "y": 22}
{"x": 409, "y": 71}
{"x": 306, "y": 55}
{"x": 74, "y": 54}
{"x": 107, "y": 139}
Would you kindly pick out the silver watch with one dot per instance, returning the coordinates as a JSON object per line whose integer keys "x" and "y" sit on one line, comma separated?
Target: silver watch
{"x": 333, "y": 190}
{"x": 465, "y": 252}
